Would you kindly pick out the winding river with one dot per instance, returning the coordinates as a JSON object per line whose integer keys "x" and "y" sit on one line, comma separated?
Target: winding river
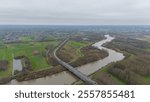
{"x": 66, "y": 77}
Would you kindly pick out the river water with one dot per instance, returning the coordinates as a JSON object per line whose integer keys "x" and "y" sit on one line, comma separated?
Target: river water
{"x": 66, "y": 77}
{"x": 17, "y": 66}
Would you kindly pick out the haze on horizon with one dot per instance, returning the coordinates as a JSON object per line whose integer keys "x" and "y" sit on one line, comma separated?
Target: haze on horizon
{"x": 75, "y": 12}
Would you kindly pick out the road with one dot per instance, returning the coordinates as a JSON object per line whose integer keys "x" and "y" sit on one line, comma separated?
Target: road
{"x": 73, "y": 70}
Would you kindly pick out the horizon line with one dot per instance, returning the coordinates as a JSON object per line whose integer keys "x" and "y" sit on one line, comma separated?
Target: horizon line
{"x": 74, "y": 24}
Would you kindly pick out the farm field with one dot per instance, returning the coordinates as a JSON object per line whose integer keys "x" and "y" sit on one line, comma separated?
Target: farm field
{"x": 26, "y": 38}
{"x": 33, "y": 50}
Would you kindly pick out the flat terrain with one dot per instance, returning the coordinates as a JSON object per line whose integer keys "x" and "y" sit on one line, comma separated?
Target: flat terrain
{"x": 34, "y": 41}
{"x": 33, "y": 50}
{"x": 72, "y": 50}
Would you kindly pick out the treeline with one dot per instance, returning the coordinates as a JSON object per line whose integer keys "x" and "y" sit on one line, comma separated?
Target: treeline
{"x": 105, "y": 79}
{"x": 26, "y": 65}
{"x": 90, "y": 54}
{"x": 137, "y": 63}
{"x": 89, "y": 36}
{"x": 38, "y": 74}
{"x": 133, "y": 42}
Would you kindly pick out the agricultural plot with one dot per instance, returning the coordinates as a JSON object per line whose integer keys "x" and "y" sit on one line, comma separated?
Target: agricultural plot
{"x": 33, "y": 50}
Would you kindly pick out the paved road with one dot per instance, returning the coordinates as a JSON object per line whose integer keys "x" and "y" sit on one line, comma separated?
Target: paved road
{"x": 73, "y": 70}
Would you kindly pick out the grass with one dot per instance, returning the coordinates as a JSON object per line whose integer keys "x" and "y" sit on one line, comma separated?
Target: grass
{"x": 147, "y": 80}
{"x": 120, "y": 82}
{"x": 142, "y": 80}
{"x": 104, "y": 70}
{"x": 38, "y": 62}
{"x": 26, "y": 38}
{"x": 6, "y": 73}
{"x": 76, "y": 44}
{"x": 148, "y": 49}
{"x": 75, "y": 47}
{"x": 7, "y": 51}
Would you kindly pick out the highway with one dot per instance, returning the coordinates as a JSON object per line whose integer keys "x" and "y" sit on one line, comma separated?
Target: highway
{"x": 73, "y": 70}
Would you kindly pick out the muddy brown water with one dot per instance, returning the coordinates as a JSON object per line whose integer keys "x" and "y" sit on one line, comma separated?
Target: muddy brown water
{"x": 66, "y": 77}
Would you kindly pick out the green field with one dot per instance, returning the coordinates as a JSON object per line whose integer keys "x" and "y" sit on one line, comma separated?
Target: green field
{"x": 148, "y": 49}
{"x": 7, "y": 51}
{"x": 76, "y": 44}
{"x": 26, "y": 38}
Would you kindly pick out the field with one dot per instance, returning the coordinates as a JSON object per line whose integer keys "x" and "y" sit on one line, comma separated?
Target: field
{"x": 71, "y": 51}
{"x": 75, "y": 46}
{"x": 7, "y": 51}
{"x": 26, "y": 38}
{"x": 148, "y": 49}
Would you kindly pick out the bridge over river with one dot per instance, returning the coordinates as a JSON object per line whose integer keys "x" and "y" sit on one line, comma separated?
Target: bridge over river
{"x": 85, "y": 70}
{"x": 73, "y": 70}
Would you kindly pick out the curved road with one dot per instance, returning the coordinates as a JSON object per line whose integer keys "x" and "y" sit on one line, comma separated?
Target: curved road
{"x": 73, "y": 70}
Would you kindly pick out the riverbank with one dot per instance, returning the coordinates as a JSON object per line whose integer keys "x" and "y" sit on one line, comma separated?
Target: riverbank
{"x": 81, "y": 55}
{"x": 133, "y": 69}
{"x": 39, "y": 74}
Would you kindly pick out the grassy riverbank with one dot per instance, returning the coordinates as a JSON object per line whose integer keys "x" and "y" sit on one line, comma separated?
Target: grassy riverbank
{"x": 71, "y": 50}
{"x": 80, "y": 53}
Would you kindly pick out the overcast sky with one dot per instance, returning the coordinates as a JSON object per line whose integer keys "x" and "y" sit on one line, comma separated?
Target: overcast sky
{"x": 75, "y": 12}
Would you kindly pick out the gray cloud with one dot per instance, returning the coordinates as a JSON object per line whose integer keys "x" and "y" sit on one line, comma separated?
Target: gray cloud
{"x": 74, "y": 11}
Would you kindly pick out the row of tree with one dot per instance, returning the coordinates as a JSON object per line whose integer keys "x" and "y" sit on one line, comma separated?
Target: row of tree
{"x": 137, "y": 63}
